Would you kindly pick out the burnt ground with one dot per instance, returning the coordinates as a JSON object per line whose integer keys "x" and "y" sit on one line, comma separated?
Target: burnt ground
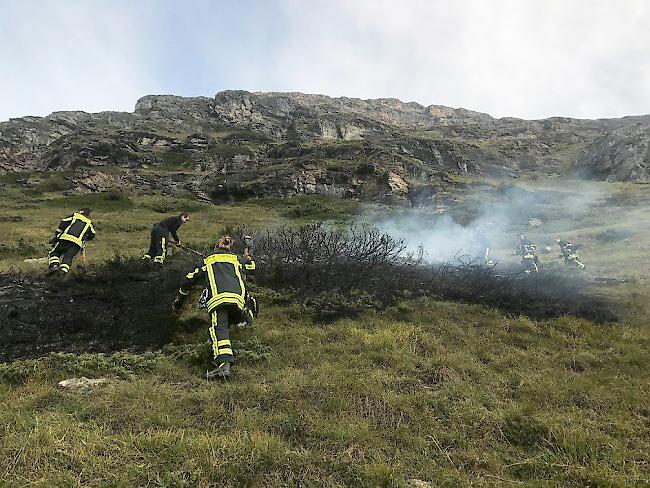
{"x": 127, "y": 305}
{"x": 123, "y": 305}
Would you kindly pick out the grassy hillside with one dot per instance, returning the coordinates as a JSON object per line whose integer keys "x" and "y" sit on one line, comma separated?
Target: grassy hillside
{"x": 453, "y": 394}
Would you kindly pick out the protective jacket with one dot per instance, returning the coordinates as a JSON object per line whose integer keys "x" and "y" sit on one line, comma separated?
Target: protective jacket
{"x": 567, "y": 250}
{"x": 171, "y": 226}
{"x": 526, "y": 249}
{"x": 76, "y": 228}
{"x": 570, "y": 254}
{"x": 223, "y": 273}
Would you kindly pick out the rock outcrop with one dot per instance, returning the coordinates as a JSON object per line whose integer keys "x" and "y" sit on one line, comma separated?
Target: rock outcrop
{"x": 247, "y": 145}
{"x": 621, "y": 155}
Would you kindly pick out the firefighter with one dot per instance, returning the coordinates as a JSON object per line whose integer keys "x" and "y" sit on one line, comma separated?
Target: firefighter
{"x": 159, "y": 235}
{"x": 481, "y": 246}
{"x": 569, "y": 253}
{"x": 68, "y": 240}
{"x": 223, "y": 272}
{"x": 527, "y": 250}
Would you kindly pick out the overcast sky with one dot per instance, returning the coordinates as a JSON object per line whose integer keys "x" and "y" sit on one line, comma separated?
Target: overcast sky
{"x": 523, "y": 58}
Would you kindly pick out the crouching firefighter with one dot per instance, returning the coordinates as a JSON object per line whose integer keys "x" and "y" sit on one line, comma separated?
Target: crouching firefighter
{"x": 527, "y": 250}
{"x": 570, "y": 253}
{"x": 222, "y": 272}
{"x": 160, "y": 234}
{"x": 68, "y": 240}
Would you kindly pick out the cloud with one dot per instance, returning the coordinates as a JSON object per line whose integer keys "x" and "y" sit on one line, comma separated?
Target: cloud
{"x": 525, "y": 58}
{"x": 69, "y": 55}
{"x": 505, "y": 57}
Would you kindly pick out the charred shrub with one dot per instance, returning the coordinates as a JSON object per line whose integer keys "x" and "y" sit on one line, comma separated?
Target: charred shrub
{"x": 329, "y": 266}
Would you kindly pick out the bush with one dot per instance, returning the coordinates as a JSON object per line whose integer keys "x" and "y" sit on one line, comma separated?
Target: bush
{"x": 325, "y": 267}
{"x": 54, "y": 183}
{"x": 613, "y": 235}
{"x": 106, "y": 201}
{"x": 22, "y": 248}
{"x": 173, "y": 205}
{"x": 11, "y": 218}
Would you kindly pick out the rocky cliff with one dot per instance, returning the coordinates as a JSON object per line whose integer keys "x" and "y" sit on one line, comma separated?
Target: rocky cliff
{"x": 241, "y": 145}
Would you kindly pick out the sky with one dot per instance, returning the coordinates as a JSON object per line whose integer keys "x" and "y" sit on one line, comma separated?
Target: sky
{"x": 522, "y": 58}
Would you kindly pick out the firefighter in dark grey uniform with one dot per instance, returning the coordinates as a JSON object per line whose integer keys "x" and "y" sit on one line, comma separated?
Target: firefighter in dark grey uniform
{"x": 223, "y": 272}
{"x": 569, "y": 253}
{"x": 527, "y": 250}
{"x": 481, "y": 246}
{"x": 159, "y": 235}
{"x": 68, "y": 240}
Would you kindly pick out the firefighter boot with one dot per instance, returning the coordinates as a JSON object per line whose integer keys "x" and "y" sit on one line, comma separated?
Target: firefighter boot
{"x": 222, "y": 372}
{"x": 52, "y": 270}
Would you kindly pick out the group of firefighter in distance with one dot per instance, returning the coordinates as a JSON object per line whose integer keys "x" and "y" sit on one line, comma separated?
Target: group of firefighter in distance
{"x": 222, "y": 273}
{"x": 525, "y": 248}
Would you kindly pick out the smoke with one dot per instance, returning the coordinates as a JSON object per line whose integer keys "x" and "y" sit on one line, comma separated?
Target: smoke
{"x": 542, "y": 211}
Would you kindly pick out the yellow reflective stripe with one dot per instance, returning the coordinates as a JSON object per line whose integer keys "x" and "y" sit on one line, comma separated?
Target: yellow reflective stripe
{"x": 241, "y": 281}
{"x": 68, "y": 237}
{"x": 222, "y": 258}
{"x": 224, "y": 342}
{"x": 164, "y": 247}
{"x": 213, "y": 282}
{"x": 213, "y": 336}
{"x": 250, "y": 266}
{"x": 81, "y": 217}
{"x": 225, "y": 298}
{"x": 192, "y": 274}
{"x": 182, "y": 292}
{"x": 226, "y": 350}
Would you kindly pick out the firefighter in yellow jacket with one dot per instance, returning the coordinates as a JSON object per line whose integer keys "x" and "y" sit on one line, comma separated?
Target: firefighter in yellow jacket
{"x": 570, "y": 253}
{"x": 68, "y": 240}
{"x": 223, "y": 273}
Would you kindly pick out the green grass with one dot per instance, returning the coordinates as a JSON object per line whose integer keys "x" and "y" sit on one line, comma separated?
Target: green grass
{"x": 454, "y": 394}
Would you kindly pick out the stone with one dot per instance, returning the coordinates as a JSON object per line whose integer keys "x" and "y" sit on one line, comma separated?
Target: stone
{"x": 82, "y": 383}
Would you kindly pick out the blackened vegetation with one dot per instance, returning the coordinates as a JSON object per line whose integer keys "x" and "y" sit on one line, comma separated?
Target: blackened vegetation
{"x": 331, "y": 272}
{"x": 122, "y": 305}
{"x": 341, "y": 272}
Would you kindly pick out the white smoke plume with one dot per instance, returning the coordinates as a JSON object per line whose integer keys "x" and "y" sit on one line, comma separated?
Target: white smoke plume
{"x": 542, "y": 211}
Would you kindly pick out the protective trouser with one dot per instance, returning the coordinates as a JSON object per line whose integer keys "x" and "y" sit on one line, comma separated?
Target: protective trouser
{"x": 251, "y": 309}
{"x": 573, "y": 259}
{"x": 158, "y": 247}
{"x": 62, "y": 255}
{"x": 223, "y": 317}
{"x": 529, "y": 263}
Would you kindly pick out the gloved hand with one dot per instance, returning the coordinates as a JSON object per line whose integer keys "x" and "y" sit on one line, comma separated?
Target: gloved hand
{"x": 178, "y": 303}
{"x": 248, "y": 243}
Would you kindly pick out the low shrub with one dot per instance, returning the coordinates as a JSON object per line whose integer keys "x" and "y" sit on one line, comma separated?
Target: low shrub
{"x": 173, "y": 205}
{"x": 613, "y": 235}
{"x": 325, "y": 267}
{"x": 104, "y": 201}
